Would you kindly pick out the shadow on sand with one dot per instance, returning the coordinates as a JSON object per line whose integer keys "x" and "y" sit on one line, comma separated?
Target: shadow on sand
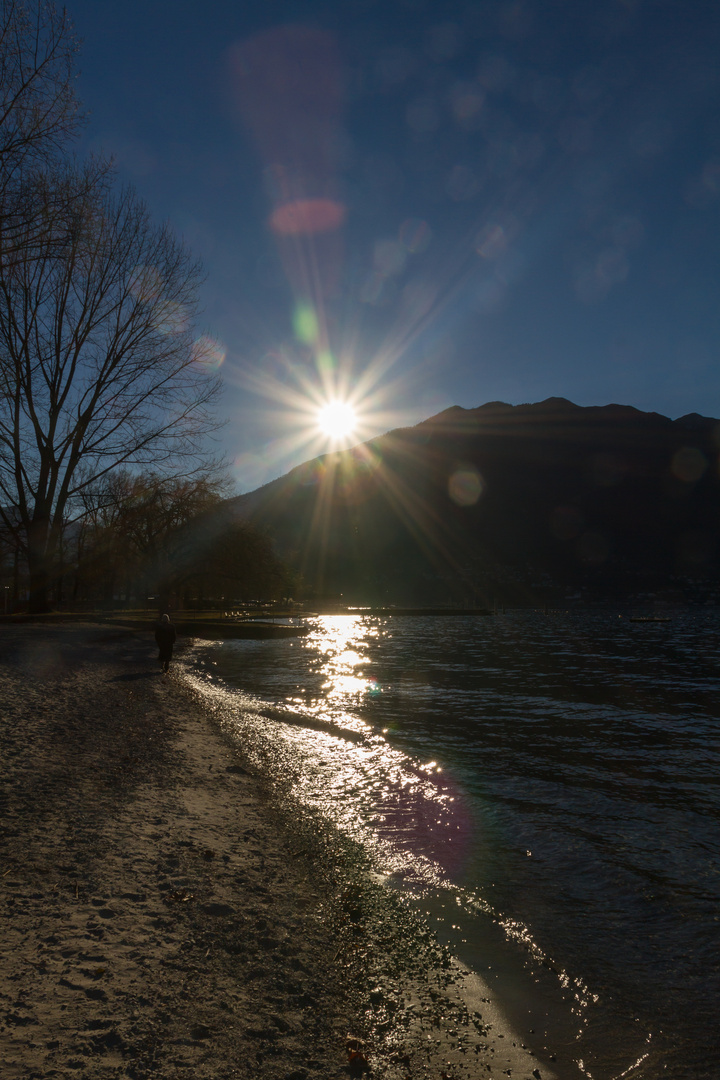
{"x": 133, "y": 676}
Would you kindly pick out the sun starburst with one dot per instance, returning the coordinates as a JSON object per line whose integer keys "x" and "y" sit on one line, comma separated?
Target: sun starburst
{"x": 337, "y": 419}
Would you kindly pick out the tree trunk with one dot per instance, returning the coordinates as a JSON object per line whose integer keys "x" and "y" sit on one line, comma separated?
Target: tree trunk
{"x": 164, "y": 599}
{"x": 16, "y": 578}
{"x": 39, "y": 563}
{"x": 38, "y": 603}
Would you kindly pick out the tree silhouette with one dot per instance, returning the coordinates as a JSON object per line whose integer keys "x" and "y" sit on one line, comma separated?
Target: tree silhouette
{"x": 174, "y": 538}
{"x": 99, "y": 367}
{"x": 39, "y": 114}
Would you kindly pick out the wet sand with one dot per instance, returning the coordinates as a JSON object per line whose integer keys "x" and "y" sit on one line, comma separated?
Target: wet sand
{"x": 166, "y": 914}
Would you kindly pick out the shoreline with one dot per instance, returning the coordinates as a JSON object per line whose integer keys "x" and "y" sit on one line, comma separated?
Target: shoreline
{"x": 165, "y": 917}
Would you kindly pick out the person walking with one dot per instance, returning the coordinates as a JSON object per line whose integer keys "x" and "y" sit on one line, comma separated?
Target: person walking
{"x": 165, "y": 638}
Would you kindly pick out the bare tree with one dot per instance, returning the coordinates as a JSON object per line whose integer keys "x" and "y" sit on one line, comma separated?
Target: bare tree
{"x": 98, "y": 363}
{"x": 135, "y": 522}
{"x": 39, "y": 112}
{"x": 173, "y": 536}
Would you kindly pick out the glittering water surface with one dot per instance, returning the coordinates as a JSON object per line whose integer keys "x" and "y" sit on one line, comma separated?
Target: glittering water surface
{"x": 547, "y": 787}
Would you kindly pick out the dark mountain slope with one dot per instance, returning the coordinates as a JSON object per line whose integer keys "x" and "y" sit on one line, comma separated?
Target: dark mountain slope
{"x": 497, "y": 500}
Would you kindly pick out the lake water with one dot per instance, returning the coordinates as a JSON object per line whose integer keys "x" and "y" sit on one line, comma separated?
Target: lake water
{"x": 545, "y": 789}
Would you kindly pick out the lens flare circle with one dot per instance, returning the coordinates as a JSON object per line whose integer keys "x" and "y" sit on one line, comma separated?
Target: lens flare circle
{"x": 305, "y": 217}
{"x": 337, "y": 419}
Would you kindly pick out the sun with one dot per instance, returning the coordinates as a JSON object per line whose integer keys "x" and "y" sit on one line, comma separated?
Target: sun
{"x": 337, "y": 419}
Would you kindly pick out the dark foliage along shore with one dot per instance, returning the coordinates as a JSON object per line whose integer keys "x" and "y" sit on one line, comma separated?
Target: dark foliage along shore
{"x": 509, "y": 504}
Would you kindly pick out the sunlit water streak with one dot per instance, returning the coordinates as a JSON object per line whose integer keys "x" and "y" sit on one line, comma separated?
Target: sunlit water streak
{"x": 545, "y": 787}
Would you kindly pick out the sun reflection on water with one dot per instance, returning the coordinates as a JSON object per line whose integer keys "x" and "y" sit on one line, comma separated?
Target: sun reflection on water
{"x": 341, "y": 640}
{"x": 400, "y": 807}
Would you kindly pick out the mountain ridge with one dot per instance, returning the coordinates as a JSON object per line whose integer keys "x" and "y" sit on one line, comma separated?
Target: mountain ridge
{"x": 489, "y": 501}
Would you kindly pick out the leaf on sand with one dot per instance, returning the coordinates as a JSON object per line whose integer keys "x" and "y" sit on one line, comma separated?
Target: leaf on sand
{"x": 357, "y": 1060}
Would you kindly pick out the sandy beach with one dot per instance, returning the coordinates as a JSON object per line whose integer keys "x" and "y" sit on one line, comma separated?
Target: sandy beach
{"x": 165, "y": 914}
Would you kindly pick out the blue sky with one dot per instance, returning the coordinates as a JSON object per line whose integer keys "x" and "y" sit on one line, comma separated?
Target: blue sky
{"x": 516, "y": 199}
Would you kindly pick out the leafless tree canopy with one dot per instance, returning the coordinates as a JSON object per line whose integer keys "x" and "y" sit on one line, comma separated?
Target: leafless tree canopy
{"x": 38, "y": 108}
{"x": 132, "y": 526}
{"x": 99, "y": 366}
{"x": 143, "y": 534}
{"x": 98, "y": 363}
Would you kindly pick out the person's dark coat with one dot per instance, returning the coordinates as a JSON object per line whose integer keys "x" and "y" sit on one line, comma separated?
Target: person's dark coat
{"x": 165, "y": 638}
